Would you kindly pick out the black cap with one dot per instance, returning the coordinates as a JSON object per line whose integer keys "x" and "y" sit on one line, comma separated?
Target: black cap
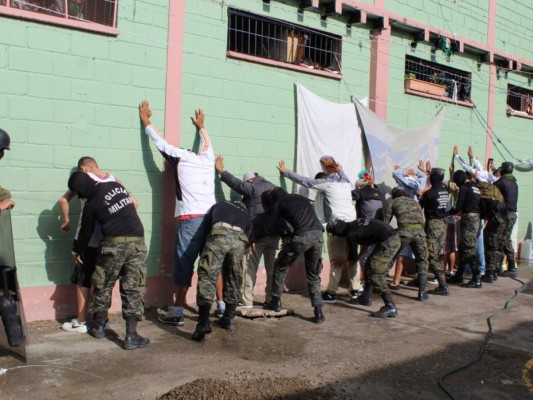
{"x": 82, "y": 184}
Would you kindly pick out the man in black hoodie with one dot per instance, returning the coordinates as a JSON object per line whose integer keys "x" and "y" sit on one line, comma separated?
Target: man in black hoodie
{"x": 294, "y": 219}
{"x": 509, "y": 189}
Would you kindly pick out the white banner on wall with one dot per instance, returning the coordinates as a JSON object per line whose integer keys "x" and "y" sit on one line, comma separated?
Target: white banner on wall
{"x": 328, "y": 128}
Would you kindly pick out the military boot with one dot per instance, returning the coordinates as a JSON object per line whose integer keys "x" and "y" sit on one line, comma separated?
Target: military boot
{"x": 133, "y": 340}
{"x": 274, "y": 304}
{"x": 442, "y": 289}
{"x": 366, "y": 298}
{"x": 204, "y": 326}
{"x": 389, "y": 310}
{"x": 422, "y": 282}
{"x": 319, "y": 315}
{"x": 457, "y": 279}
{"x": 489, "y": 276}
{"x": 227, "y": 320}
{"x": 511, "y": 269}
{"x": 475, "y": 282}
{"x": 98, "y": 328}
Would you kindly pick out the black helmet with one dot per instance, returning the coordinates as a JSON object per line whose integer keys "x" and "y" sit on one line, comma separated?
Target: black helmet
{"x": 399, "y": 191}
{"x": 459, "y": 177}
{"x": 4, "y": 140}
{"x": 507, "y": 167}
{"x": 436, "y": 175}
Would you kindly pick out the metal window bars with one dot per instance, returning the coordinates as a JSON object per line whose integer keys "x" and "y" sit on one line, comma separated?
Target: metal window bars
{"x": 276, "y": 40}
{"x": 98, "y": 11}
{"x": 458, "y": 83}
{"x": 520, "y": 99}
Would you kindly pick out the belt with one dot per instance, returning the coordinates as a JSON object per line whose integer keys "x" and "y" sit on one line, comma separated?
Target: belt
{"x": 409, "y": 226}
{"x": 123, "y": 239}
{"x": 225, "y": 225}
{"x": 189, "y": 216}
{"x": 472, "y": 214}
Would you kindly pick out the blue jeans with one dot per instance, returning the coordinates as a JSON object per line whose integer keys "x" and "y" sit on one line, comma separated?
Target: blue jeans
{"x": 190, "y": 240}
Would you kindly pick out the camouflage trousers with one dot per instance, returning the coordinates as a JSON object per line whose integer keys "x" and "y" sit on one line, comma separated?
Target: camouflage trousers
{"x": 416, "y": 238}
{"x": 380, "y": 262}
{"x": 223, "y": 252}
{"x": 310, "y": 245}
{"x": 435, "y": 235}
{"x": 494, "y": 241}
{"x": 124, "y": 261}
{"x": 508, "y": 248}
{"x": 469, "y": 228}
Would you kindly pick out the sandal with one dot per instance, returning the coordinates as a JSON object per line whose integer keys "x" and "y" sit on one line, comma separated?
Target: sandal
{"x": 394, "y": 287}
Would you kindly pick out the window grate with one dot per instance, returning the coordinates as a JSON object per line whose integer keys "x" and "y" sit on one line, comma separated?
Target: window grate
{"x": 520, "y": 99}
{"x": 276, "y": 40}
{"x": 101, "y": 12}
{"x": 458, "y": 83}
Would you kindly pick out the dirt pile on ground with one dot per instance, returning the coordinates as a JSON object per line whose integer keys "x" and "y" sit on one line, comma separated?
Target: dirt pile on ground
{"x": 254, "y": 389}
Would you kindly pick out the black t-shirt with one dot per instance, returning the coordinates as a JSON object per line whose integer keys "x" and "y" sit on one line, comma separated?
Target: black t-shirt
{"x": 467, "y": 199}
{"x": 435, "y": 201}
{"x": 509, "y": 188}
{"x": 230, "y": 214}
{"x": 296, "y": 211}
{"x": 112, "y": 207}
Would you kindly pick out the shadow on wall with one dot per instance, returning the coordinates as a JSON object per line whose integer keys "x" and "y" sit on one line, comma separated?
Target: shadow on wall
{"x": 58, "y": 260}
{"x": 160, "y": 254}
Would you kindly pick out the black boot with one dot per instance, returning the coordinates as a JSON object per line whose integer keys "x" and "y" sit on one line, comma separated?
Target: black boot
{"x": 274, "y": 304}
{"x": 511, "y": 269}
{"x": 97, "y": 329}
{"x": 366, "y": 298}
{"x": 389, "y": 310}
{"x": 489, "y": 276}
{"x": 457, "y": 279}
{"x": 422, "y": 282}
{"x": 475, "y": 282}
{"x": 319, "y": 315}
{"x": 203, "y": 327}
{"x": 133, "y": 340}
{"x": 227, "y": 320}
{"x": 442, "y": 289}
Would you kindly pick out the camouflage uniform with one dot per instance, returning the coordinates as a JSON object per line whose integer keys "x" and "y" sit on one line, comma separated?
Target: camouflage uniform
{"x": 469, "y": 228}
{"x": 410, "y": 220}
{"x": 224, "y": 250}
{"x": 436, "y": 233}
{"x": 380, "y": 262}
{"x": 121, "y": 258}
{"x": 494, "y": 237}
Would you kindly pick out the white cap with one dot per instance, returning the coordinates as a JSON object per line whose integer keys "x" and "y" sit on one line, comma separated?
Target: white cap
{"x": 248, "y": 175}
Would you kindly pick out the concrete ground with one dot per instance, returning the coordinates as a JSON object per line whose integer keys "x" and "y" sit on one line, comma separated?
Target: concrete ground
{"x": 350, "y": 356}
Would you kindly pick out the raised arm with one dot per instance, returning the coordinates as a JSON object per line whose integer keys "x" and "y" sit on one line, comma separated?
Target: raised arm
{"x": 299, "y": 179}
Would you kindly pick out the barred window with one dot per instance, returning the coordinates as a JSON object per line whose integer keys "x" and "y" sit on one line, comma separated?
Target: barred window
{"x": 437, "y": 79}
{"x": 85, "y": 14}
{"x": 276, "y": 40}
{"x": 520, "y": 100}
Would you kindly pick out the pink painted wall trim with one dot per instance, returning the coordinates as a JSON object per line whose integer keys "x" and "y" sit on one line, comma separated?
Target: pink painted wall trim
{"x": 491, "y": 35}
{"x": 379, "y": 71}
{"x": 45, "y": 303}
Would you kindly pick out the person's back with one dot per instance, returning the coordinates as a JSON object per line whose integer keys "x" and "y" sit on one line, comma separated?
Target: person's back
{"x": 368, "y": 201}
{"x": 112, "y": 207}
{"x": 299, "y": 213}
{"x": 407, "y": 212}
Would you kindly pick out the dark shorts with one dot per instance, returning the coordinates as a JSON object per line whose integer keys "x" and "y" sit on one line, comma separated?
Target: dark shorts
{"x": 81, "y": 275}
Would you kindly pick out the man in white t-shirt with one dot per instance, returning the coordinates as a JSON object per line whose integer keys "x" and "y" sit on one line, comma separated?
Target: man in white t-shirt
{"x": 195, "y": 194}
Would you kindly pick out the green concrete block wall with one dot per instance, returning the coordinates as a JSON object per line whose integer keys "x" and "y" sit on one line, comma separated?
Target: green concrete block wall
{"x": 514, "y": 27}
{"x": 466, "y": 18}
{"x": 66, "y": 93}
